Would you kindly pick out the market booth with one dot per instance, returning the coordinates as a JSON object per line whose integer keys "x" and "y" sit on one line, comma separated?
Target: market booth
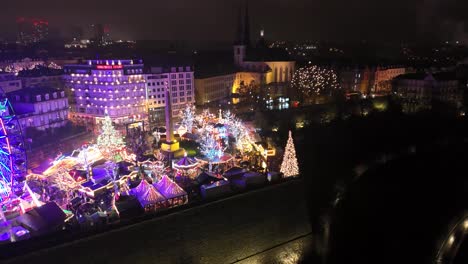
{"x": 174, "y": 194}
{"x": 149, "y": 198}
{"x": 215, "y": 189}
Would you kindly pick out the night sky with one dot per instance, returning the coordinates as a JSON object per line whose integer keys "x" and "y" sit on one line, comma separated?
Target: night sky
{"x": 282, "y": 19}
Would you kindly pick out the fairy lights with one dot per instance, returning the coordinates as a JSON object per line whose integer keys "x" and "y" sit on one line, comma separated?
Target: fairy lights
{"x": 314, "y": 80}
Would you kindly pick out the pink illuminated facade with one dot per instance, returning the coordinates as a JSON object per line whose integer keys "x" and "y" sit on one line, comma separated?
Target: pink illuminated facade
{"x": 117, "y": 86}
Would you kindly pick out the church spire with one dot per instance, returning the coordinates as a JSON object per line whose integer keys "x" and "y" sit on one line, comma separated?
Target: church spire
{"x": 239, "y": 36}
{"x": 246, "y": 38}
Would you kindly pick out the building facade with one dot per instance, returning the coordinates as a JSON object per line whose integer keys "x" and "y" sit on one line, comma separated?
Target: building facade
{"x": 214, "y": 88}
{"x": 42, "y": 76}
{"x": 40, "y": 107}
{"x": 418, "y": 91}
{"x": 9, "y": 82}
{"x": 383, "y": 78}
{"x": 31, "y": 30}
{"x": 359, "y": 79}
{"x": 115, "y": 86}
{"x": 180, "y": 82}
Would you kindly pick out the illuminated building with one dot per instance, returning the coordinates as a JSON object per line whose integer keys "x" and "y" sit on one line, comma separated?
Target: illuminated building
{"x": 31, "y": 30}
{"x": 255, "y": 67}
{"x": 356, "y": 79}
{"x": 117, "y": 86}
{"x": 418, "y": 90}
{"x": 101, "y": 34}
{"x": 179, "y": 80}
{"x": 271, "y": 65}
{"x": 211, "y": 88}
{"x": 9, "y": 82}
{"x": 383, "y": 77}
{"x": 40, "y": 107}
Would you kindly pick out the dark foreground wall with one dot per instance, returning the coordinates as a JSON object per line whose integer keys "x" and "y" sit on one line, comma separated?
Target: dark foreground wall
{"x": 225, "y": 231}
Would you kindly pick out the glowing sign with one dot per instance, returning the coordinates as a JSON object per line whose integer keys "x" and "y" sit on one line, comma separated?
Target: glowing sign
{"x": 108, "y": 67}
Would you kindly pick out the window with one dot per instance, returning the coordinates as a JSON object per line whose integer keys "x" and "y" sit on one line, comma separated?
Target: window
{"x": 181, "y": 93}
{"x": 187, "y": 75}
{"x": 174, "y": 101}
{"x": 149, "y": 84}
{"x": 158, "y": 90}
{"x": 174, "y": 94}
{"x": 189, "y": 98}
{"x": 181, "y": 75}
{"x": 189, "y": 87}
{"x": 47, "y": 96}
{"x": 154, "y": 90}
{"x": 174, "y": 82}
{"x": 189, "y": 92}
{"x": 173, "y": 76}
{"x": 182, "y": 100}
{"x": 174, "y": 89}
{"x": 181, "y": 88}
{"x": 38, "y": 98}
{"x": 188, "y": 81}
{"x": 181, "y": 81}
{"x": 162, "y": 95}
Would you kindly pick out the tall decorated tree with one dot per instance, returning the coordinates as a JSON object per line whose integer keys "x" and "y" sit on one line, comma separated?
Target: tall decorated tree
{"x": 188, "y": 117}
{"x": 109, "y": 141}
{"x": 289, "y": 166}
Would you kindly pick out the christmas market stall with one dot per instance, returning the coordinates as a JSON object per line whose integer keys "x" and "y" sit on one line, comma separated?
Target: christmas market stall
{"x": 215, "y": 189}
{"x": 171, "y": 191}
{"x": 149, "y": 198}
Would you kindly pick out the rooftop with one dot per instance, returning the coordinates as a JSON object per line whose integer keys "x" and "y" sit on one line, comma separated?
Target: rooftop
{"x": 29, "y": 95}
{"x": 40, "y": 71}
{"x": 439, "y": 76}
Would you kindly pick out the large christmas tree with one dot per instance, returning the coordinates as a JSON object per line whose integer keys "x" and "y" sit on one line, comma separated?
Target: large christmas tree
{"x": 110, "y": 140}
{"x": 289, "y": 166}
{"x": 188, "y": 117}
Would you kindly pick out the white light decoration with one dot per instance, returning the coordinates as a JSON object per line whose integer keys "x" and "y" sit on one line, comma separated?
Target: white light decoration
{"x": 188, "y": 117}
{"x": 109, "y": 141}
{"x": 314, "y": 80}
{"x": 289, "y": 166}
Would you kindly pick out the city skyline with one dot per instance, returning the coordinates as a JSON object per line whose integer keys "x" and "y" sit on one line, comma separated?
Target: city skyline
{"x": 399, "y": 20}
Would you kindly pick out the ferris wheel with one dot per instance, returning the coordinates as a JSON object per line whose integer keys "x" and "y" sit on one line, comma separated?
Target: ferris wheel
{"x": 13, "y": 165}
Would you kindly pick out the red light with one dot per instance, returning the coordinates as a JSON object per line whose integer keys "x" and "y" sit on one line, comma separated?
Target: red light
{"x": 108, "y": 67}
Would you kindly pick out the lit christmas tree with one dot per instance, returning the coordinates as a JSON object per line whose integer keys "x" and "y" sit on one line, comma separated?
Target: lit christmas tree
{"x": 110, "y": 141}
{"x": 289, "y": 166}
{"x": 188, "y": 117}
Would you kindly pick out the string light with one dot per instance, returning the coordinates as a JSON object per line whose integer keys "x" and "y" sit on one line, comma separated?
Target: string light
{"x": 314, "y": 80}
{"x": 289, "y": 166}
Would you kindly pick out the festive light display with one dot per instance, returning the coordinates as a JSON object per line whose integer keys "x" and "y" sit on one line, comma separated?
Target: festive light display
{"x": 210, "y": 147}
{"x": 188, "y": 117}
{"x": 314, "y": 80}
{"x": 289, "y": 166}
{"x": 110, "y": 141}
{"x": 12, "y": 152}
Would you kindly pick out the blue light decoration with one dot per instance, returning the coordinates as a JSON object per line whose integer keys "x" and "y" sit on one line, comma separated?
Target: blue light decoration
{"x": 13, "y": 167}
